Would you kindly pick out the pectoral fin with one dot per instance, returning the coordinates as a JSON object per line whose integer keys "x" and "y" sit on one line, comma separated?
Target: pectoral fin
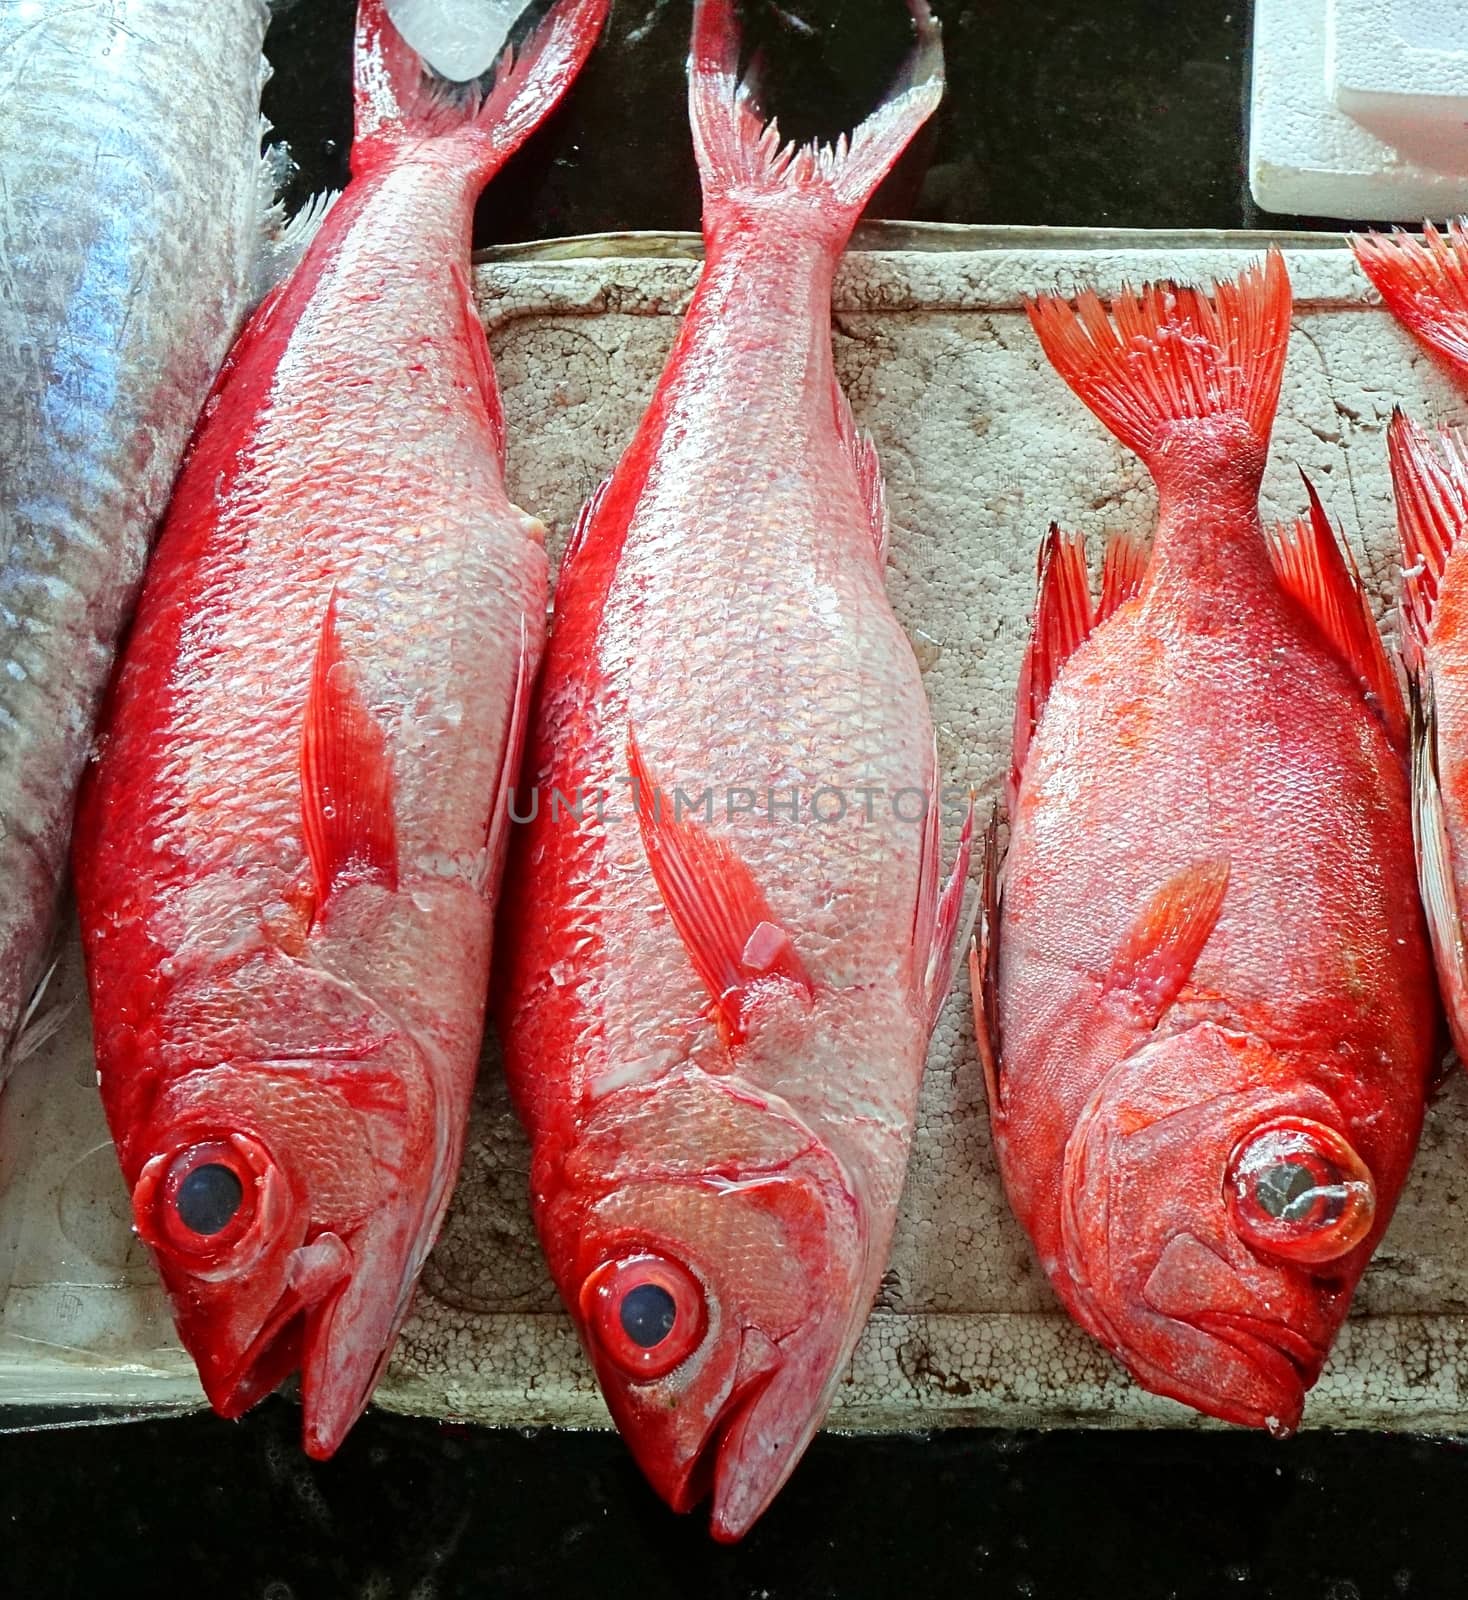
{"x": 1162, "y": 947}
{"x": 722, "y": 917}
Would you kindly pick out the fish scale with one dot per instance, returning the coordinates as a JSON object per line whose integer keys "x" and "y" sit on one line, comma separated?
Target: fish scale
{"x": 119, "y": 294}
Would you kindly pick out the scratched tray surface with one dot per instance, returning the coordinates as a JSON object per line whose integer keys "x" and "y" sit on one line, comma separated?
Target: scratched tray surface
{"x": 982, "y": 446}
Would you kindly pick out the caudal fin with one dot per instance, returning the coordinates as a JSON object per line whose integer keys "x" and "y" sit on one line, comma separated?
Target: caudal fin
{"x": 741, "y": 159}
{"x": 1424, "y": 283}
{"x": 1173, "y": 353}
{"x": 399, "y": 100}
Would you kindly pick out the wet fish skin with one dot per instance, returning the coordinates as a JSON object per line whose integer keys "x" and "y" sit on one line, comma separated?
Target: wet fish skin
{"x": 287, "y": 854}
{"x": 130, "y": 219}
{"x": 1424, "y": 283}
{"x": 1206, "y": 1002}
{"x": 715, "y": 1022}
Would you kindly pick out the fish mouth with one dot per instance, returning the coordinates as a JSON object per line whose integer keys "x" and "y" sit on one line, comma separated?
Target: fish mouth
{"x": 705, "y": 1470}
{"x": 1286, "y": 1361}
{"x": 290, "y": 1336}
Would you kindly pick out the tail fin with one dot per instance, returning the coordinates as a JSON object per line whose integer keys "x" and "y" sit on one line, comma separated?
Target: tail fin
{"x": 741, "y": 158}
{"x": 1432, "y": 514}
{"x": 1172, "y": 353}
{"x": 398, "y": 101}
{"x": 1424, "y": 282}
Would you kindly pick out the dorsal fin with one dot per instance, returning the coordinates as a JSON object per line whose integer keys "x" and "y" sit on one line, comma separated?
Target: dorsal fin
{"x": 1431, "y": 490}
{"x": 983, "y": 969}
{"x": 1063, "y": 619}
{"x": 476, "y": 341}
{"x": 937, "y": 915}
{"x": 720, "y": 912}
{"x": 1122, "y": 571}
{"x": 1315, "y": 568}
{"x": 346, "y": 778}
{"x": 1161, "y": 948}
{"x": 862, "y": 451}
{"x": 1435, "y": 875}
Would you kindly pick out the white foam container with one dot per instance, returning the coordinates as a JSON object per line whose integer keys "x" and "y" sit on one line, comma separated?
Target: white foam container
{"x": 982, "y": 445}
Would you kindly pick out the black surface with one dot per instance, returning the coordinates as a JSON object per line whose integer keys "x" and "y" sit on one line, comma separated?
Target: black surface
{"x": 417, "y": 1510}
{"x": 1104, "y": 112}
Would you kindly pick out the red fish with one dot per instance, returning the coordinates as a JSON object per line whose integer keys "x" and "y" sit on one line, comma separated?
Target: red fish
{"x": 288, "y": 850}
{"x": 1425, "y": 284}
{"x": 717, "y": 1005}
{"x": 1206, "y": 1006}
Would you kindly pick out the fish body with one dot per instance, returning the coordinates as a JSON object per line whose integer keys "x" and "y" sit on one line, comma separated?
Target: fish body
{"x": 716, "y": 1008}
{"x": 287, "y": 854}
{"x": 129, "y": 229}
{"x": 1424, "y": 282}
{"x": 1207, "y": 1004}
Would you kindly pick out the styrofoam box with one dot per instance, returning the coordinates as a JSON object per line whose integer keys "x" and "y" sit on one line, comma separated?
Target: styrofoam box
{"x": 982, "y": 446}
{"x": 1359, "y": 108}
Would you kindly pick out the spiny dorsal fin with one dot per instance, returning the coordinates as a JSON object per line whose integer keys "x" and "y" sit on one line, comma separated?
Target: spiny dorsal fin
{"x": 862, "y": 451}
{"x": 1162, "y": 946}
{"x": 1431, "y": 490}
{"x": 1316, "y": 569}
{"x": 1063, "y": 620}
{"x": 1424, "y": 282}
{"x": 938, "y": 913}
{"x": 347, "y": 817}
{"x": 983, "y": 969}
{"x": 1435, "y": 875}
{"x": 1122, "y": 571}
{"x": 720, "y": 912}
{"x": 476, "y": 342}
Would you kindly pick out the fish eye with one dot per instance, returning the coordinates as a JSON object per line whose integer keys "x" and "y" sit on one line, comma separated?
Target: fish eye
{"x": 1297, "y": 1189}
{"x": 645, "y": 1312}
{"x": 207, "y": 1197}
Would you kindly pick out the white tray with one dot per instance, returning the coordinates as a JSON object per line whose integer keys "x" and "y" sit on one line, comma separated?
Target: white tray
{"x": 982, "y": 446}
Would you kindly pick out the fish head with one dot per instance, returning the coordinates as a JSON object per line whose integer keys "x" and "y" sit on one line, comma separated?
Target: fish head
{"x": 1216, "y": 1215}
{"x": 714, "y": 1257}
{"x": 283, "y": 1202}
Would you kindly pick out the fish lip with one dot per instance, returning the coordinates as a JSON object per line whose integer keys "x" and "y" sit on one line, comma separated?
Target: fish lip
{"x": 705, "y": 1469}
{"x": 285, "y": 1340}
{"x": 1287, "y": 1361}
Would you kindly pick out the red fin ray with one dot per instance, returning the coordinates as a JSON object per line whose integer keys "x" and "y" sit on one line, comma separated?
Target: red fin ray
{"x": 1431, "y": 490}
{"x": 862, "y": 451}
{"x": 398, "y": 100}
{"x": 1063, "y": 621}
{"x": 1315, "y": 568}
{"x": 1123, "y": 568}
{"x": 739, "y": 153}
{"x": 938, "y": 912}
{"x": 347, "y": 819}
{"x": 983, "y": 969}
{"x": 1162, "y": 946}
{"x": 1424, "y": 282}
{"x": 720, "y": 912}
{"x": 476, "y": 341}
{"x": 1172, "y": 352}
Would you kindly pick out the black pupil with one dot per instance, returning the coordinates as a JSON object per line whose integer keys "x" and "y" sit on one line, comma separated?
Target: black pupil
{"x": 1287, "y": 1190}
{"x": 648, "y": 1314}
{"x": 208, "y": 1198}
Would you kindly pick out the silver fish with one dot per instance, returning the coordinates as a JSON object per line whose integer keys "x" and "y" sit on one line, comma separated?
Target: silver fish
{"x": 132, "y": 202}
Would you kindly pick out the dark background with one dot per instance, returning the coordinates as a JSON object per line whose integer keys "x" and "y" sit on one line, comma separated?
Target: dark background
{"x": 1101, "y": 112}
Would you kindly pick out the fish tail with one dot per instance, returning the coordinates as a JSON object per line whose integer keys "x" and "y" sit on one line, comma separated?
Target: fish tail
{"x": 745, "y": 166}
{"x": 1424, "y": 282}
{"x": 399, "y": 101}
{"x": 1173, "y": 353}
